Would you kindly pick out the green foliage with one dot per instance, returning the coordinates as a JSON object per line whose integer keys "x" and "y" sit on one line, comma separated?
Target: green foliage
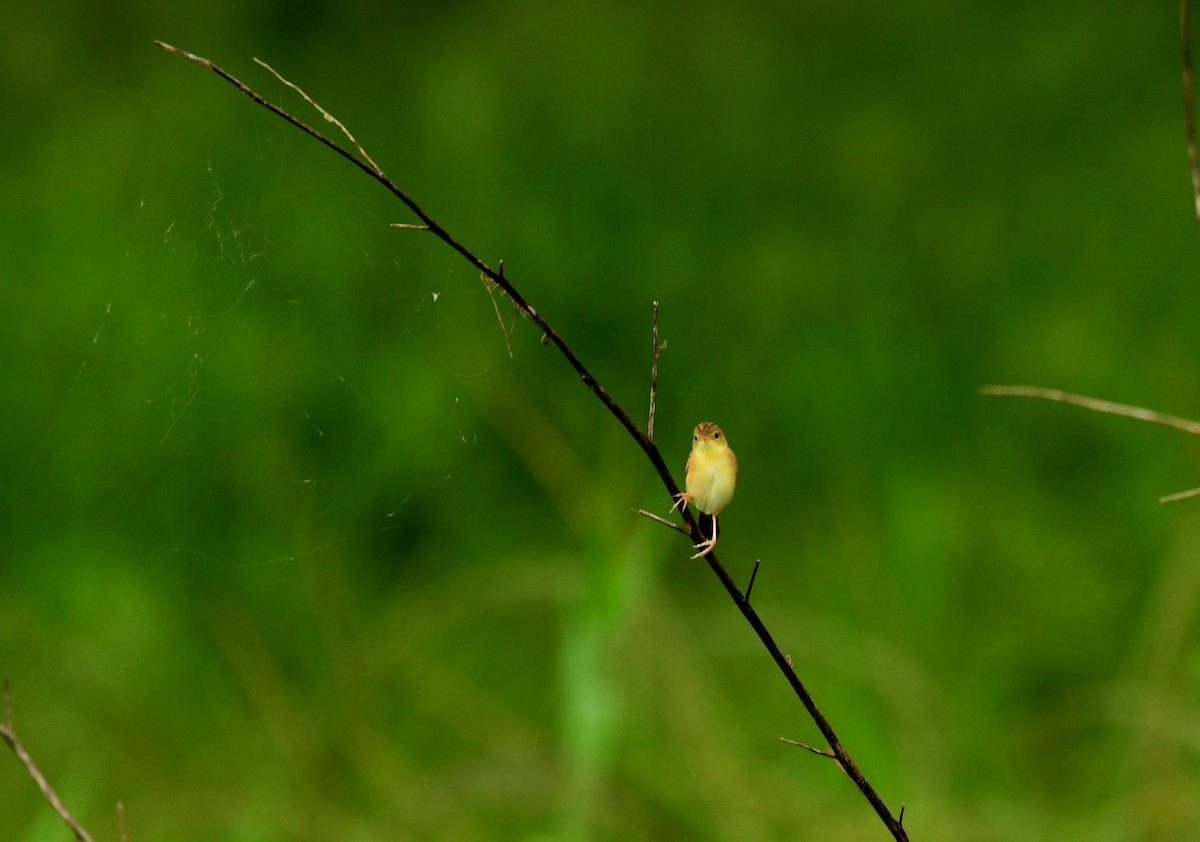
{"x": 294, "y": 549}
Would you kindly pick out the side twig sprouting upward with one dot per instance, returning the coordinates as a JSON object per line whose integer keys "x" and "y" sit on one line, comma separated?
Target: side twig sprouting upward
{"x": 1189, "y": 100}
{"x": 753, "y": 576}
{"x": 643, "y": 440}
{"x": 653, "y": 379}
{"x": 8, "y": 733}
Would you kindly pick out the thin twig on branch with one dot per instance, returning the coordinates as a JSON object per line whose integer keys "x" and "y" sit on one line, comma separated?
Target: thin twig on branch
{"x": 490, "y": 286}
{"x": 807, "y": 747}
{"x": 753, "y": 576}
{"x": 653, "y": 378}
{"x": 664, "y": 521}
{"x": 643, "y": 440}
{"x": 8, "y": 733}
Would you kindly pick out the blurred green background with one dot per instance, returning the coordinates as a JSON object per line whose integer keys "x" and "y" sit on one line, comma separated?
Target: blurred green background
{"x": 294, "y": 550}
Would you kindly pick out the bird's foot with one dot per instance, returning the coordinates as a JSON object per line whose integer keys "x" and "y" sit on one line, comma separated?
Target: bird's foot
{"x": 681, "y": 501}
{"x": 705, "y": 547}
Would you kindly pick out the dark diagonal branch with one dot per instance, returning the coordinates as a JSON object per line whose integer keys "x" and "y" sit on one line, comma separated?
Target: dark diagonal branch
{"x": 8, "y": 733}
{"x": 643, "y": 439}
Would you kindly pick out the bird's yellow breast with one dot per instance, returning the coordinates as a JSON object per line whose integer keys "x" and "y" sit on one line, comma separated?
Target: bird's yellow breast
{"x": 711, "y": 475}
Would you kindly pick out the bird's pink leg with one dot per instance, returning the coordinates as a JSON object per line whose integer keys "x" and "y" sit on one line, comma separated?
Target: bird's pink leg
{"x": 706, "y": 547}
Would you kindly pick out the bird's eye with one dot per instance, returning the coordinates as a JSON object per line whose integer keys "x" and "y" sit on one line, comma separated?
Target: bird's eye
{"x": 716, "y": 435}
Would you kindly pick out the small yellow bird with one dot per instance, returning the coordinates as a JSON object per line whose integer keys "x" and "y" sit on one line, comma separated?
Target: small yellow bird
{"x": 711, "y": 476}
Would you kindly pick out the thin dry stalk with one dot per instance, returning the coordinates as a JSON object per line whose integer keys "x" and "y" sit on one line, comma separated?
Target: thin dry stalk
{"x": 8, "y": 733}
{"x": 1189, "y": 100}
{"x": 1096, "y": 405}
